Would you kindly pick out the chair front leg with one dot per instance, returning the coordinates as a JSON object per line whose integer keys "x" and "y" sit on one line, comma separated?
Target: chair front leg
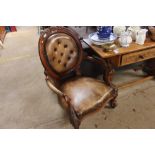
{"x": 74, "y": 119}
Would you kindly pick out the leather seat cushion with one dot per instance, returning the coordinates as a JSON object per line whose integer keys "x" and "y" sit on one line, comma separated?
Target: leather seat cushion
{"x": 86, "y": 93}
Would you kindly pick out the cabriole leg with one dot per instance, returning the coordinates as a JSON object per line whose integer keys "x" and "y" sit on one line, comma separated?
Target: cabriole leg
{"x": 75, "y": 121}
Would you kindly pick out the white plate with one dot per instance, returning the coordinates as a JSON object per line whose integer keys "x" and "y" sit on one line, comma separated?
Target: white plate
{"x": 94, "y": 37}
{"x": 95, "y": 40}
{"x": 100, "y": 43}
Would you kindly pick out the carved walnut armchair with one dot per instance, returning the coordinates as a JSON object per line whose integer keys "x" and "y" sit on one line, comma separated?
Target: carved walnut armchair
{"x": 61, "y": 54}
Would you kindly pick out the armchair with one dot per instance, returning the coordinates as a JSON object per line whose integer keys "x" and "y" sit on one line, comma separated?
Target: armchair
{"x": 61, "y": 54}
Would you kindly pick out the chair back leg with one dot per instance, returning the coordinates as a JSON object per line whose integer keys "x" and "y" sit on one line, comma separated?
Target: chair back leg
{"x": 113, "y": 102}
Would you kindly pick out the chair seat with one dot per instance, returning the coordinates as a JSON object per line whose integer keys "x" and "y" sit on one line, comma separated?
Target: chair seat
{"x": 86, "y": 94}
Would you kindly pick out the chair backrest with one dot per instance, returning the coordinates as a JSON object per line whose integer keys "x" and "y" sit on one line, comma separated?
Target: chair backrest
{"x": 60, "y": 51}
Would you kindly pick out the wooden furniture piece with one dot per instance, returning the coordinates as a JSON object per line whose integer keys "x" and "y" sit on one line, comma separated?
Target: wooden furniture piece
{"x": 125, "y": 56}
{"x": 61, "y": 54}
{"x": 2, "y": 36}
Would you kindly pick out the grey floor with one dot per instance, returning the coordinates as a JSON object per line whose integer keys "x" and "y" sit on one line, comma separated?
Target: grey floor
{"x": 26, "y": 101}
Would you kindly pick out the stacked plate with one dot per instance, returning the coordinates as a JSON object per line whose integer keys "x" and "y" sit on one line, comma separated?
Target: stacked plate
{"x": 95, "y": 40}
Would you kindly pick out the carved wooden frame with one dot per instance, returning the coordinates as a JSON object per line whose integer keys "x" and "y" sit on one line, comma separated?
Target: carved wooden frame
{"x": 75, "y": 119}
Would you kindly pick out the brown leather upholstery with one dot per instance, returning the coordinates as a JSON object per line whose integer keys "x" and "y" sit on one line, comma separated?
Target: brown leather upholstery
{"x": 85, "y": 93}
{"x": 62, "y": 52}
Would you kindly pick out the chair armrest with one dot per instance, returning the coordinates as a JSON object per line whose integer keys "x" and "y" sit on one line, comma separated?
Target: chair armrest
{"x": 56, "y": 90}
{"x": 107, "y": 68}
{"x": 52, "y": 87}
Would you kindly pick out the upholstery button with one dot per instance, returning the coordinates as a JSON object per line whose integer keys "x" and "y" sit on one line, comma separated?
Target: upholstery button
{"x": 65, "y": 64}
{"x": 65, "y": 46}
{"x": 61, "y": 54}
{"x": 69, "y": 57}
{"x": 55, "y": 49}
{"x": 59, "y": 42}
{"x": 53, "y": 58}
{"x": 59, "y": 61}
{"x": 71, "y": 51}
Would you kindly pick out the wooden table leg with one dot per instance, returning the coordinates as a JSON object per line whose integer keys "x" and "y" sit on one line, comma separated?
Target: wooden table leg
{"x": 107, "y": 77}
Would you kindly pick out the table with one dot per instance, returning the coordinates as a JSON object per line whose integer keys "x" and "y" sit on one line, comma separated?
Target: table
{"x": 125, "y": 56}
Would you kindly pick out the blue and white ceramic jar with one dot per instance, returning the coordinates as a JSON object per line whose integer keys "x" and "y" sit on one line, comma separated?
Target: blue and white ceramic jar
{"x": 104, "y": 32}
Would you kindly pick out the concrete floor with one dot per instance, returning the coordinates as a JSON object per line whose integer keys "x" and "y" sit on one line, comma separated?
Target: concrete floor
{"x": 26, "y": 101}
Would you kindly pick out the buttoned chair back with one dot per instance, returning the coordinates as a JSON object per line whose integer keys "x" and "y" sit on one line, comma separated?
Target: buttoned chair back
{"x": 60, "y": 51}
